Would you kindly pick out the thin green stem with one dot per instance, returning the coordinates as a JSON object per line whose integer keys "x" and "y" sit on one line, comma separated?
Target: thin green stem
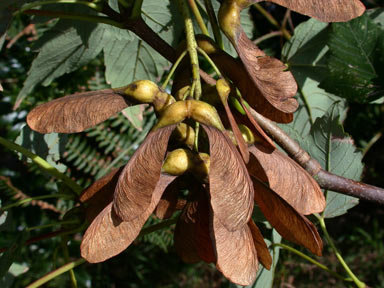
{"x": 74, "y": 16}
{"x": 266, "y": 37}
{"x": 157, "y": 226}
{"x": 214, "y": 23}
{"x": 72, "y": 276}
{"x": 136, "y": 10}
{"x": 56, "y": 273}
{"x": 186, "y": 93}
{"x": 199, "y": 18}
{"x": 309, "y": 259}
{"x": 210, "y": 61}
{"x": 26, "y": 200}
{"x": 124, "y": 3}
{"x": 192, "y": 49}
{"x": 173, "y": 69}
{"x": 44, "y": 165}
{"x": 338, "y": 255}
{"x": 196, "y": 143}
{"x": 94, "y": 6}
{"x": 52, "y": 225}
{"x": 272, "y": 20}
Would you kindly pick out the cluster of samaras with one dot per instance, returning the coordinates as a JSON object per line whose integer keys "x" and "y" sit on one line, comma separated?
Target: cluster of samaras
{"x": 226, "y": 166}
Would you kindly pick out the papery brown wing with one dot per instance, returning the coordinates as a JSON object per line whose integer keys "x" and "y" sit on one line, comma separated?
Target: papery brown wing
{"x": 288, "y": 179}
{"x": 263, "y": 254}
{"x": 192, "y": 238}
{"x": 267, "y": 142}
{"x": 98, "y": 195}
{"x": 269, "y": 74}
{"x": 203, "y": 229}
{"x": 185, "y": 234}
{"x": 77, "y": 112}
{"x": 236, "y": 253}
{"x": 137, "y": 181}
{"x": 231, "y": 189}
{"x": 325, "y": 10}
{"x": 290, "y": 224}
{"x": 168, "y": 202}
{"x": 235, "y": 70}
{"x": 108, "y": 235}
{"x": 243, "y": 147}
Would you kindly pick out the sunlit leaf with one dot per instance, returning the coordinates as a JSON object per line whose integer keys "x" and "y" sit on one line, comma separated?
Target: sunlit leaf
{"x": 49, "y": 147}
{"x": 305, "y": 54}
{"x": 335, "y": 151}
{"x": 356, "y": 60}
{"x": 63, "y": 51}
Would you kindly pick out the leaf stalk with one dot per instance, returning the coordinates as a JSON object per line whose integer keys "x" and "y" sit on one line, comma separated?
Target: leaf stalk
{"x": 192, "y": 49}
{"x": 356, "y": 280}
{"x": 44, "y": 165}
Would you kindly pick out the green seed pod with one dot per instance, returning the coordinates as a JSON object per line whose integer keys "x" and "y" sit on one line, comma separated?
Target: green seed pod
{"x": 207, "y": 44}
{"x": 223, "y": 89}
{"x": 247, "y": 134}
{"x": 181, "y": 92}
{"x": 236, "y": 104}
{"x": 184, "y": 134}
{"x": 178, "y": 162}
{"x": 172, "y": 114}
{"x": 197, "y": 110}
{"x": 200, "y": 166}
{"x": 229, "y": 18}
{"x": 143, "y": 91}
{"x": 162, "y": 100}
{"x": 204, "y": 113}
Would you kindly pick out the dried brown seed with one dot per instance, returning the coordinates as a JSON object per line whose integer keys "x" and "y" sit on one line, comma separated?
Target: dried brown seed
{"x": 137, "y": 181}
{"x": 77, "y": 112}
{"x": 286, "y": 220}
{"x": 287, "y": 179}
{"x": 108, "y": 235}
{"x": 231, "y": 189}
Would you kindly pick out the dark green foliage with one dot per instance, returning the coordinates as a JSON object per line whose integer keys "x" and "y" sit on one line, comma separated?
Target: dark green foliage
{"x": 356, "y": 60}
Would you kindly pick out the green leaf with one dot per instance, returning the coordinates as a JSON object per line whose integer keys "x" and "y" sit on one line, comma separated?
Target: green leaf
{"x": 12, "y": 253}
{"x": 305, "y": 55}
{"x": 62, "y": 51}
{"x": 3, "y": 216}
{"x": 48, "y": 146}
{"x": 163, "y": 19}
{"x": 127, "y": 58}
{"x": 336, "y": 153}
{"x": 5, "y": 20}
{"x": 356, "y": 60}
{"x": 265, "y": 277}
{"x": 135, "y": 115}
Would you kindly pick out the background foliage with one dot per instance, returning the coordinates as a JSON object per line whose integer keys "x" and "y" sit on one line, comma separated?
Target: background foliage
{"x": 339, "y": 70}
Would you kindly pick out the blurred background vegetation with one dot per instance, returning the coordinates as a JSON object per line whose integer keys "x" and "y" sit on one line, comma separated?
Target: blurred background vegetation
{"x": 152, "y": 261}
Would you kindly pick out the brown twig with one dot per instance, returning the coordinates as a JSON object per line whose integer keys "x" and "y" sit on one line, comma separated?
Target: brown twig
{"x": 325, "y": 179}
{"x": 21, "y": 196}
